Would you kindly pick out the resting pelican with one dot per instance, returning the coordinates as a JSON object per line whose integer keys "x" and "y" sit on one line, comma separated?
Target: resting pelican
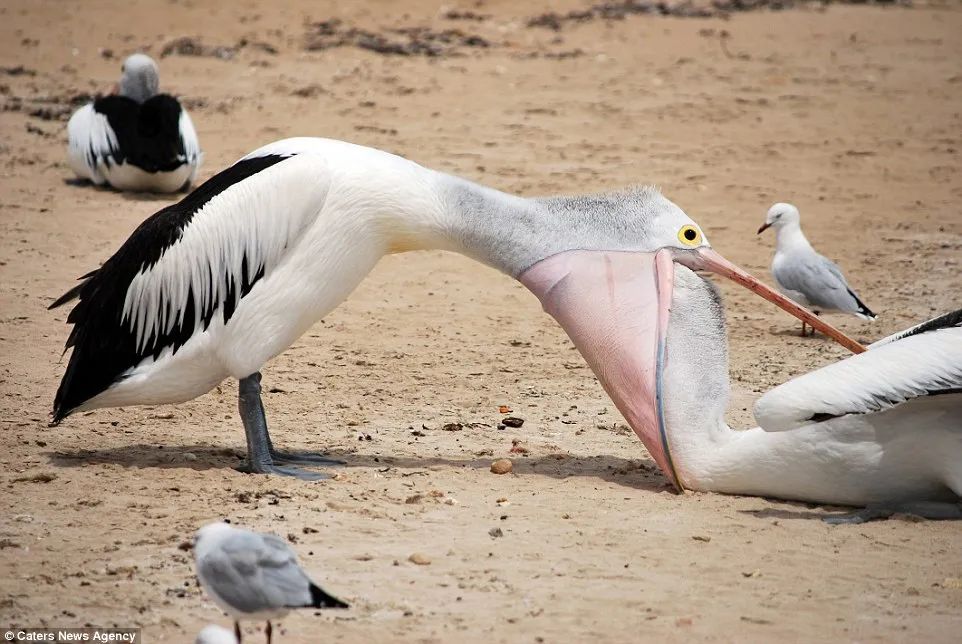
{"x": 218, "y": 284}
{"x": 882, "y": 429}
{"x": 802, "y": 274}
{"x": 136, "y": 139}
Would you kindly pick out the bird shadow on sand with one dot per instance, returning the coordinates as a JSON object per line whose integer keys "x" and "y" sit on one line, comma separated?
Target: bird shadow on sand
{"x": 86, "y": 184}
{"x": 631, "y": 473}
{"x": 792, "y": 510}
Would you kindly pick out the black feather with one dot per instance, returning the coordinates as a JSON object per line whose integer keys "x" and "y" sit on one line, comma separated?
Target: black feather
{"x": 864, "y": 310}
{"x": 320, "y": 599}
{"x": 148, "y": 133}
{"x": 104, "y": 346}
{"x": 946, "y": 321}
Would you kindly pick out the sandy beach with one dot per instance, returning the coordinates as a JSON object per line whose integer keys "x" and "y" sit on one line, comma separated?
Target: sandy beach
{"x": 853, "y": 113}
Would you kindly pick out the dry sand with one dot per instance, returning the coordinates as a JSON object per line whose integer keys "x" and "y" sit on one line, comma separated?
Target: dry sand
{"x": 853, "y": 113}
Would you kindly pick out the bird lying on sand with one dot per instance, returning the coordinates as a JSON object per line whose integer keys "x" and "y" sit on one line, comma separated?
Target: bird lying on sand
{"x": 136, "y": 139}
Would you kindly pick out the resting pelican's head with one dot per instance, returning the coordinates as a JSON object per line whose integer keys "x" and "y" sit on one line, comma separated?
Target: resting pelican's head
{"x": 616, "y": 306}
{"x": 139, "y": 78}
{"x": 779, "y": 215}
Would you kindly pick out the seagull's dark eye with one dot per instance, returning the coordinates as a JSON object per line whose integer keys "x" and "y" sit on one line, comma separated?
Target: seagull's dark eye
{"x": 689, "y": 236}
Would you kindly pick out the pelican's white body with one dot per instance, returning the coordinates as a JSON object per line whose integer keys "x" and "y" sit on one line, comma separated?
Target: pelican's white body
{"x": 87, "y": 128}
{"x": 911, "y": 450}
{"x": 335, "y": 210}
{"x": 92, "y": 142}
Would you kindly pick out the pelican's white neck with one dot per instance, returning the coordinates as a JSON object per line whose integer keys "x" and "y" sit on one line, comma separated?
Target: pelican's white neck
{"x": 512, "y": 233}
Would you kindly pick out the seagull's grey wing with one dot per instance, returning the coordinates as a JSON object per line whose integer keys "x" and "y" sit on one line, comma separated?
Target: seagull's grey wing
{"x": 254, "y": 573}
{"x": 819, "y": 279}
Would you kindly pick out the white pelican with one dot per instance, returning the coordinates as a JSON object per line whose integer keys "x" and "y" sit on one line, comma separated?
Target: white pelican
{"x": 882, "y": 429}
{"x": 218, "y": 284}
{"x": 136, "y": 139}
{"x": 802, "y": 274}
{"x": 254, "y": 576}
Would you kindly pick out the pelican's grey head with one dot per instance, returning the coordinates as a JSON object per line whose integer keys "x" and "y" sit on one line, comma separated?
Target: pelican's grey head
{"x": 140, "y": 78}
{"x": 779, "y": 215}
{"x": 611, "y": 286}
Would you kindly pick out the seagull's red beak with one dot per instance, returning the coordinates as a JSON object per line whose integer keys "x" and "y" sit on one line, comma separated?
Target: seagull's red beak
{"x": 615, "y": 307}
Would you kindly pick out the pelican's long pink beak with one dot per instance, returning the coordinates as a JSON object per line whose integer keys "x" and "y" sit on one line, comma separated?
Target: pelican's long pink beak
{"x": 615, "y": 307}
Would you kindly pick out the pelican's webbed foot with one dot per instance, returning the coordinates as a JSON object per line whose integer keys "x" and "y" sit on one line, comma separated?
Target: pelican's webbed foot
{"x": 262, "y": 458}
{"x": 935, "y": 510}
{"x": 304, "y": 458}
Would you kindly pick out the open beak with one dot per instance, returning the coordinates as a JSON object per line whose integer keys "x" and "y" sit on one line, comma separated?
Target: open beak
{"x": 763, "y": 228}
{"x": 615, "y": 307}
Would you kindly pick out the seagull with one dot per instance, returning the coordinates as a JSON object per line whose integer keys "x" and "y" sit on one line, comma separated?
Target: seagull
{"x": 216, "y": 285}
{"x": 802, "y": 274}
{"x": 254, "y": 576}
{"x": 137, "y": 139}
{"x": 880, "y": 430}
{"x": 213, "y": 634}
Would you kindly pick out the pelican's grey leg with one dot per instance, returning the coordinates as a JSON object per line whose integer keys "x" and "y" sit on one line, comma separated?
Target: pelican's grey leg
{"x": 259, "y": 459}
{"x": 237, "y": 631}
{"x": 939, "y": 511}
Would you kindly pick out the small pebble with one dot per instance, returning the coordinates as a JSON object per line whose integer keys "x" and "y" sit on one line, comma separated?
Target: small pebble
{"x": 420, "y": 559}
{"x": 501, "y": 466}
{"x": 701, "y": 537}
{"x": 496, "y": 532}
{"x": 512, "y": 421}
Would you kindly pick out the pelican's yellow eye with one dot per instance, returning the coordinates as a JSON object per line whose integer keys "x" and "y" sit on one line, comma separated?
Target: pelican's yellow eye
{"x": 689, "y": 236}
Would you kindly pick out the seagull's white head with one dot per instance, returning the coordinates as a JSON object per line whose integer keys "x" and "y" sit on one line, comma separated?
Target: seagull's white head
{"x": 209, "y": 535}
{"x": 780, "y": 215}
{"x": 140, "y": 78}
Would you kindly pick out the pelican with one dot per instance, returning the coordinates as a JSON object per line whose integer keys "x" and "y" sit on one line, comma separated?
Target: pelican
{"x": 880, "y": 430}
{"x": 218, "y": 284}
{"x": 802, "y": 274}
{"x": 136, "y": 139}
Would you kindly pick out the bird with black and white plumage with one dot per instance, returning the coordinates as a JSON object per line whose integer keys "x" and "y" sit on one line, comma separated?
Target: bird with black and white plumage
{"x": 223, "y": 281}
{"x": 254, "y": 576}
{"x": 136, "y": 139}
{"x": 803, "y": 274}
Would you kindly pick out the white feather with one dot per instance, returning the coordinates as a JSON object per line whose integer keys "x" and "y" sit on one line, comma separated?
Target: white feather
{"x": 878, "y": 379}
{"x": 90, "y": 144}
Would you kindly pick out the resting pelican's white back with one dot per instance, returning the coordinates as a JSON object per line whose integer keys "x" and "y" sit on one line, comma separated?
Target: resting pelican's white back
{"x": 882, "y": 426}
{"x": 920, "y": 365}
